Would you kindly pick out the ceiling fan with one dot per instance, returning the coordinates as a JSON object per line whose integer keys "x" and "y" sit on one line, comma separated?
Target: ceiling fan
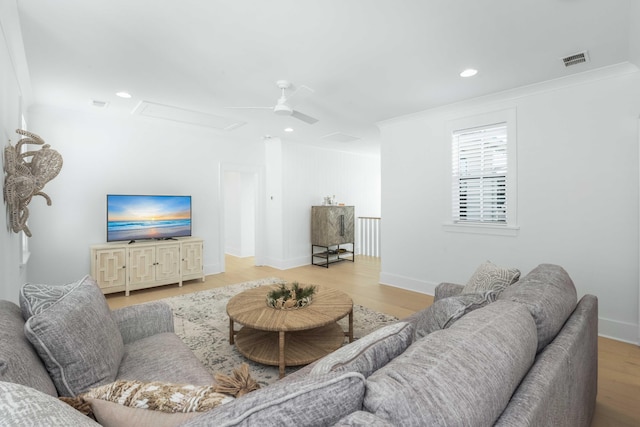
{"x": 282, "y": 107}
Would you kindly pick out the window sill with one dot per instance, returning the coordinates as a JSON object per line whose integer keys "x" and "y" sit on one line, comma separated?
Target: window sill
{"x": 495, "y": 230}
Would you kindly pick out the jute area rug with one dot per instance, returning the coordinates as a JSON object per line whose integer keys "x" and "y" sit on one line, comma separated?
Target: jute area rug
{"x": 201, "y": 321}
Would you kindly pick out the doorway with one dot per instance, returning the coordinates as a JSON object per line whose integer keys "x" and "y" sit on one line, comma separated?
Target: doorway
{"x": 241, "y": 213}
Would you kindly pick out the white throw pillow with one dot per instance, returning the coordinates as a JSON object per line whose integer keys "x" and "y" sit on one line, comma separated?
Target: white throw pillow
{"x": 490, "y": 277}
{"x": 152, "y": 404}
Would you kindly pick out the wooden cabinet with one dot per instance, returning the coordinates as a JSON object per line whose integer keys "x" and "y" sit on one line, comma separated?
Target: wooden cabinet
{"x": 126, "y": 267}
{"x": 191, "y": 260}
{"x": 153, "y": 265}
{"x": 109, "y": 268}
{"x": 332, "y": 234}
{"x": 332, "y": 225}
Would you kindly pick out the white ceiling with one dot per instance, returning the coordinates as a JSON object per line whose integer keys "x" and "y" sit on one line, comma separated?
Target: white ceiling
{"x": 367, "y": 60}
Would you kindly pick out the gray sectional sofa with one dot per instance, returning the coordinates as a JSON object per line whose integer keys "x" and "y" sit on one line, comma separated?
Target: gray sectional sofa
{"x": 80, "y": 343}
{"x": 524, "y": 357}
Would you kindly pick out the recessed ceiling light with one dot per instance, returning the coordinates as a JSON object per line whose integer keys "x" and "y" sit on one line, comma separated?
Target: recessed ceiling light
{"x": 288, "y": 129}
{"x": 469, "y": 72}
{"x": 124, "y": 94}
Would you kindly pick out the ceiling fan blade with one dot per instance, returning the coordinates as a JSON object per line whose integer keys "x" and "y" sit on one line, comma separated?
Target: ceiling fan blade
{"x": 300, "y": 116}
{"x": 250, "y": 108}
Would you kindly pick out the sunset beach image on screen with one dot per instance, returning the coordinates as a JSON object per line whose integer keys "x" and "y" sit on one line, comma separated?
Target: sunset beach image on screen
{"x": 137, "y": 217}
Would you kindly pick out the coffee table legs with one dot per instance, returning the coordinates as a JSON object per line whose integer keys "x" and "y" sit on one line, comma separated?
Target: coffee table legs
{"x": 281, "y": 361}
{"x": 281, "y": 364}
{"x": 231, "y": 332}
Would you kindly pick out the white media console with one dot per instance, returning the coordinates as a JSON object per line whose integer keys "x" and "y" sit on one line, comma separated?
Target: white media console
{"x": 122, "y": 266}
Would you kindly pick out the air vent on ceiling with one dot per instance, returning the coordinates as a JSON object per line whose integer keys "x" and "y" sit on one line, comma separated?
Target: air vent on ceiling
{"x": 176, "y": 114}
{"x": 340, "y": 137}
{"x": 99, "y": 104}
{"x": 576, "y": 58}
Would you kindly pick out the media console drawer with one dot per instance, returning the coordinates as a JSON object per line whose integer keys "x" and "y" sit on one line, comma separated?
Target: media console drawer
{"x": 119, "y": 267}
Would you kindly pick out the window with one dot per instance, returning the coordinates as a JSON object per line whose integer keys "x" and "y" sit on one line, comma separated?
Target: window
{"x": 480, "y": 174}
{"x": 483, "y": 174}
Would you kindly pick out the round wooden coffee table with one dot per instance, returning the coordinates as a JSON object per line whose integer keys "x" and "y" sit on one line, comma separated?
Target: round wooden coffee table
{"x": 288, "y": 337}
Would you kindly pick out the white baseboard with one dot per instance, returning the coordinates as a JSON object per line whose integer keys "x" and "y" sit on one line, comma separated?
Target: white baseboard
{"x": 403, "y": 282}
{"x": 286, "y": 264}
{"x": 621, "y": 331}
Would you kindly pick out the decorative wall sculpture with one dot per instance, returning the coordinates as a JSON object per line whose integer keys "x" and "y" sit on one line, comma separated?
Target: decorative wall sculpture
{"x": 25, "y": 179}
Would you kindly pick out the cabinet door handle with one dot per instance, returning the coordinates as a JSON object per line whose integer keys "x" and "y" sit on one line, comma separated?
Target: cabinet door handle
{"x": 342, "y": 225}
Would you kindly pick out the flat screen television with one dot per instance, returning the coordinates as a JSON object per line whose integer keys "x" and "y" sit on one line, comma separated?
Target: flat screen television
{"x": 138, "y": 217}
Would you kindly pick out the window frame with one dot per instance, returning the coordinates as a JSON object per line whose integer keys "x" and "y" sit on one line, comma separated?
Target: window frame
{"x": 482, "y": 120}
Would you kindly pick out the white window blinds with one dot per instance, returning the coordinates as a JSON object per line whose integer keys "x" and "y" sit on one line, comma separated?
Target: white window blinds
{"x": 480, "y": 174}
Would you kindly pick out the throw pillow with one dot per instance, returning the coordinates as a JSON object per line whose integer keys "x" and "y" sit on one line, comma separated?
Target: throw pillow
{"x": 110, "y": 414}
{"x": 489, "y": 276}
{"x": 74, "y": 334}
{"x": 311, "y": 400}
{"x": 370, "y": 352}
{"x": 151, "y": 404}
{"x": 446, "y": 311}
{"x": 25, "y": 406}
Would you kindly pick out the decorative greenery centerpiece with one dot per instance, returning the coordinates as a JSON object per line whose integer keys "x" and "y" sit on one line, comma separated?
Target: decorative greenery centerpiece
{"x": 289, "y": 298}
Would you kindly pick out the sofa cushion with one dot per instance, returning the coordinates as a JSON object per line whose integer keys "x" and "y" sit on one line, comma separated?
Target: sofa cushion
{"x": 25, "y": 406}
{"x": 489, "y": 276}
{"x": 73, "y": 332}
{"x": 445, "y": 290}
{"x": 370, "y": 352}
{"x": 466, "y": 372}
{"x": 363, "y": 418}
{"x": 162, "y": 357}
{"x": 313, "y": 400}
{"x": 446, "y": 311}
{"x": 143, "y": 320}
{"x": 19, "y": 362}
{"x": 549, "y": 294}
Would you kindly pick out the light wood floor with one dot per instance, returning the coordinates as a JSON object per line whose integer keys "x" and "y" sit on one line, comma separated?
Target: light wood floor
{"x": 618, "y": 402}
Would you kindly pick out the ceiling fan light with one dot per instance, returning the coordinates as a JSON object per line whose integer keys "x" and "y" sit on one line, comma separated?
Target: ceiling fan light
{"x": 469, "y": 72}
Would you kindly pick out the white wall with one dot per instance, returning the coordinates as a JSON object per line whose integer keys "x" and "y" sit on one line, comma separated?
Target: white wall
{"x": 273, "y": 223}
{"x": 132, "y": 155}
{"x": 310, "y": 173}
{"x": 577, "y": 150}
{"x": 240, "y": 211}
{"x": 14, "y": 93}
{"x": 634, "y": 33}
{"x": 129, "y": 155}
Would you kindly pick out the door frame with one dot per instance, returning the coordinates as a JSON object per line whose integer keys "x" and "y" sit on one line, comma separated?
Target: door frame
{"x": 258, "y": 173}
